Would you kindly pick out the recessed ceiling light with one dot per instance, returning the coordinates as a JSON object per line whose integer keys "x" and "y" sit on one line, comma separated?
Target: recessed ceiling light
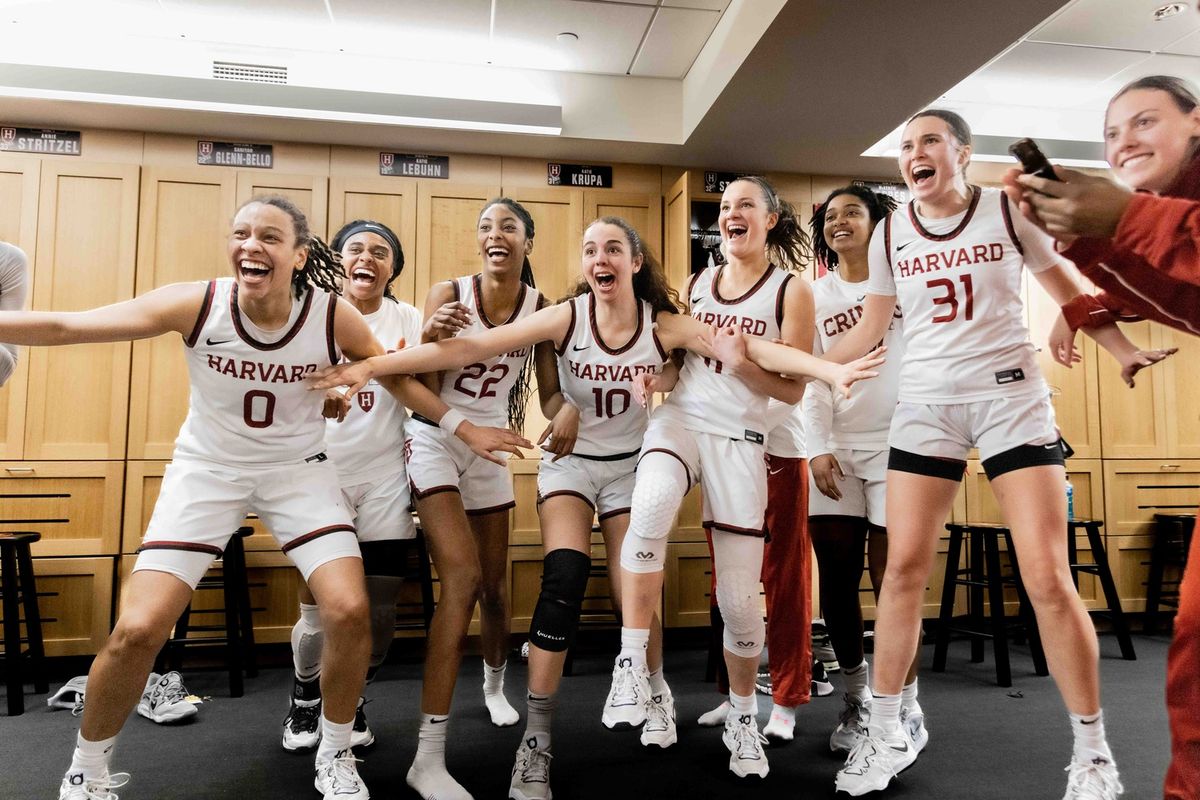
{"x": 1168, "y": 10}
{"x": 566, "y": 37}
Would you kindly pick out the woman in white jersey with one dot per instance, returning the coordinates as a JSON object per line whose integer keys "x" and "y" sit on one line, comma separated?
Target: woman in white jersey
{"x": 953, "y": 259}
{"x": 847, "y": 448}
{"x": 14, "y": 286}
{"x": 366, "y": 443}
{"x": 253, "y": 439}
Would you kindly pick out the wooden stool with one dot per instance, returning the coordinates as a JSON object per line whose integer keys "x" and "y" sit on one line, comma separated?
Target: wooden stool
{"x": 19, "y": 591}
{"x": 1172, "y": 537}
{"x": 605, "y": 617}
{"x": 238, "y": 629}
{"x": 983, "y": 573}
{"x": 417, "y": 616}
{"x": 1101, "y": 570}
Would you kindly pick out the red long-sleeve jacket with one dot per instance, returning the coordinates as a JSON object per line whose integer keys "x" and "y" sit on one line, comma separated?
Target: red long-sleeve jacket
{"x": 1150, "y": 269}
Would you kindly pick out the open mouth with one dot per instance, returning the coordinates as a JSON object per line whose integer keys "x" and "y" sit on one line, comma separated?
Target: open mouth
{"x": 839, "y": 236}
{"x": 363, "y": 276}
{"x": 497, "y": 253}
{"x": 605, "y": 280}
{"x": 736, "y": 230}
{"x": 922, "y": 174}
{"x": 253, "y": 270}
{"x": 1134, "y": 160}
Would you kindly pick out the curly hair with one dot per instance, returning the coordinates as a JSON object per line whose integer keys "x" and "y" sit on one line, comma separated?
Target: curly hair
{"x": 650, "y": 282}
{"x": 788, "y": 245}
{"x": 323, "y": 267}
{"x": 878, "y": 206}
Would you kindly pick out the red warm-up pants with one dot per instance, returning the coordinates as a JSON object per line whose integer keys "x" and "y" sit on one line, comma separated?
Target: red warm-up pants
{"x": 787, "y": 583}
{"x": 1183, "y": 687}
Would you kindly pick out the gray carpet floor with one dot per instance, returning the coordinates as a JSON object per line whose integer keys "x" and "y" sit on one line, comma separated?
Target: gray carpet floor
{"x": 986, "y": 742}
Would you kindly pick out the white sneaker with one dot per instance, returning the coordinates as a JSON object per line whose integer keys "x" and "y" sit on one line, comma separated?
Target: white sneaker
{"x": 745, "y": 744}
{"x": 531, "y": 770}
{"x": 302, "y": 725}
{"x": 74, "y": 787}
{"x": 165, "y": 699}
{"x": 70, "y": 695}
{"x": 625, "y": 706}
{"x": 821, "y": 687}
{"x": 338, "y": 779}
{"x": 660, "y": 721}
{"x": 822, "y": 649}
{"x": 360, "y": 734}
{"x": 874, "y": 761}
{"x": 1095, "y": 780}
{"x": 852, "y": 724}
{"x": 914, "y": 724}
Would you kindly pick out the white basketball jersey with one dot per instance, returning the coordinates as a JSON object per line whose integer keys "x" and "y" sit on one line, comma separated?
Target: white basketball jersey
{"x": 596, "y": 378}
{"x": 250, "y": 402}
{"x": 861, "y": 421}
{"x": 709, "y": 400}
{"x": 369, "y": 443}
{"x": 958, "y": 282}
{"x": 480, "y": 391}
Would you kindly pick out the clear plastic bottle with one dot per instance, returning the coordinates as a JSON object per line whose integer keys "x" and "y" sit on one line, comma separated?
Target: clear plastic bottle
{"x": 1070, "y": 501}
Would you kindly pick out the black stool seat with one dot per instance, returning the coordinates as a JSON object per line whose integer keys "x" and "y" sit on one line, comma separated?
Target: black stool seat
{"x": 19, "y": 592}
{"x": 1101, "y": 570}
{"x": 983, "y": 573}
{"x": 238, "y": 628}
{"x": 1172, "y": 538}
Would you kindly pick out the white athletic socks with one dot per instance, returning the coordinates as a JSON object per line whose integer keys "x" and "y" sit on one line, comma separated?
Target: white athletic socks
{"x": 501, "y": 711}
{"x": 1090, "y": 740}
{"x": 91, "y": 758}
{"x": 335, "y": 737}
{"x": 739, "y": 705}
{"x": 885, "y": 713}
{"x": 716, "y": 717}
{"x": 782, "y": 724}
{"x": 858, "y": 681}
{"x": 428, "y": 776}
{"x": 658, "y": 683}
{"x": 908, "y": 698}
{"x": 634, "y": 642}
{"x": 307, "y": 641}
{"x": 541, "y": 712}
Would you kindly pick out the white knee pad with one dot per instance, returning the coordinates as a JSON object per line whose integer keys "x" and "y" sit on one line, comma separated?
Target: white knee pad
{"x": 657, "y": 493}
{"x": 737, "y": 595}
{"x": 307, "y": 642}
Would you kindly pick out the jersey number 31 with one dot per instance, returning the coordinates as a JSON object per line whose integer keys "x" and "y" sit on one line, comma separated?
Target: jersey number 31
{"x": 950, "y": 298}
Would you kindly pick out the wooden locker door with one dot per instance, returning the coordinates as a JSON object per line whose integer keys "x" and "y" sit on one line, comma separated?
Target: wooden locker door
{"x": 182, "y": 236}
{"x": 1181, "y": 381}
{"x": 18, "y": 225}
{"x": 86, "y": 244}
{"x": 446, "y": 220}
{"x": 642, "y": 211}
{"x": 1133, "y": 422}
{"x": 392, "y": 201}
{"x": 309, "y": 192}
{"x": 677, "y": 223}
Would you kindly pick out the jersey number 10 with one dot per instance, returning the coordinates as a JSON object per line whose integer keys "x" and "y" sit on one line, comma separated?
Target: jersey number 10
{"x": 607, "y": 402}
{"x": 950, "y": 298}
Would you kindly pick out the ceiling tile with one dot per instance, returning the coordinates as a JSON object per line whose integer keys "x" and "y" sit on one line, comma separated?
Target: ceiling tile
{"x": 1187, "y": 46}
{"x": 1160, "y": 64}
{"x": 608, "y": 34}
{"x": 1117, "y": 23}
{"x": 676, "y": 37}
{"x": 449, "y": 30}
{"x": 708, "y": 5}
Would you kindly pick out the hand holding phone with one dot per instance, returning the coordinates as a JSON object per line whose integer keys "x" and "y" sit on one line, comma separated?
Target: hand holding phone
{"x": 1033, "y": 160}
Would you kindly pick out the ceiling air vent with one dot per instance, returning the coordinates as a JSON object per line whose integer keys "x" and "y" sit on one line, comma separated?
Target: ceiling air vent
{"x": 251, "y": 73}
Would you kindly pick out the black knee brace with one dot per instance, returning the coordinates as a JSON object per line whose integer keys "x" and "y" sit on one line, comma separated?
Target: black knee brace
{"x": 387, "y": 557}
{"x": 556, "y": 617}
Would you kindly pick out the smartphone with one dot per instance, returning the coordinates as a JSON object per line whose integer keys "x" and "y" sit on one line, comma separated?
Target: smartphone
{"x": 1033, "y": 160}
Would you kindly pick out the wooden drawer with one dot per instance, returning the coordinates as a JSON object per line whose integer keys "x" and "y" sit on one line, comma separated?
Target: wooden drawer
{"x": 688, "y": 585}
{"x": 75, "y": 505}
{"x": 75, "y": 603}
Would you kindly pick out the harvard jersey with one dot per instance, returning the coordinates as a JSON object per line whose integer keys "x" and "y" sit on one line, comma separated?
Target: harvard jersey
{"x": 596, "y": 378}
{"x": 958, "y": 283}
{"x": 708, "y": 399}
{"x": 480, "y": 391}
{"x": 250, "y": 402}
{"x": 369, "y": 443}
{"x": 861, "y": 421}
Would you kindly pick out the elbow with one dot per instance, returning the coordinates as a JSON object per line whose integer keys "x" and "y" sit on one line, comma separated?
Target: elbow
{"x": 791, "y": 394}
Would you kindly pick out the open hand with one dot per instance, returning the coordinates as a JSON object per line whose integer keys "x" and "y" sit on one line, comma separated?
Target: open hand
{"x": 850, "y": 373}
{"x": 827, "y": 473}
{"x": 448, "y": 320}
{"x": 1137, "y": 360}
{"x": 486, "y": 442}
{"x": 353, "y": 374}
{"x": 562, "y": 432}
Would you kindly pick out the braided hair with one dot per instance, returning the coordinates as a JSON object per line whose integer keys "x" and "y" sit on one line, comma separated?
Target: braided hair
{"x": 381, "y": 230}
{"x": 518, "y": 395}
{"x": 788, "y": 245}
{"x": 323, "y": 267}
{"x": 878, "y": 206}
{"x": 650, "y": 282}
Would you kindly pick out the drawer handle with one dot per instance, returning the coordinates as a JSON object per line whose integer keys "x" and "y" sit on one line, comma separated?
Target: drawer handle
{"x": 1169, "y": 467}
{"x": 19, "y": 470}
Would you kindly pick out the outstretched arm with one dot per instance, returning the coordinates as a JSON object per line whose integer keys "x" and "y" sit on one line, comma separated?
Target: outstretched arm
{"x": 14, "y": 287}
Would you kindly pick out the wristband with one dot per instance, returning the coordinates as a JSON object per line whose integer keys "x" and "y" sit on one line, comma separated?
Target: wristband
{"x": 1085, "y": 311}
{"x": 451, "y": 420}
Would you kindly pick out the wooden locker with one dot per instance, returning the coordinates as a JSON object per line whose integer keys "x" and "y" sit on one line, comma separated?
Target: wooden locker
{"x": 87, "y": 240}
{"x": 19, "y": 177}
{"x": 1133, "y": 422}
{"x": 642, "y": 211}
{"x": 687, "y": 585}
{"x": 447, "y": 217}
{"x": 392, "y": 201}
{"x": 677, "y": 222}
{"x": 75, "y": 602}
{"x": 1181, "y": 380}
{"x": 75, "y": 506}
{"x": 309, "y": 192}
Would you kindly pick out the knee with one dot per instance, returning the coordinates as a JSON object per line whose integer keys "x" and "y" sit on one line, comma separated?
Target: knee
{"x": 461, "y": 584}
{"x": 556, "y": 616}
{"x": 493, "y": 595}
{"x": 138, "y": 634}
{"x": 347, "y": 613}
{"x": 737, "y": 596}
{"x": 1049, "y": 586}
{"x": 905, "y": 575}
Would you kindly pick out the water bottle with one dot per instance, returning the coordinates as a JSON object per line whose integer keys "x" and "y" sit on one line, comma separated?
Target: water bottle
{"x": 1070, "y": 501}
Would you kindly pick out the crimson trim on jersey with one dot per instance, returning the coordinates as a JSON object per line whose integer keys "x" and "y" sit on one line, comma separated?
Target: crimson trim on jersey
{"x": 193, "y": 547}
{"x": 662, "y": 351}
{"x": 976, "y": 192}
{"x": 570, "y": 331}
{"x": 417, "y": 493}
{"x": 330, "y": 339}
{"x": 779, "y": 299}
{"x": 616, "y": 512}
{"x": 1006, "y": 212}
{"x": 236, "y": 314}
{"x": 426, "y": 420}
{"x": 454, "y": 287}
{"x": 716, "y": 293}
{"x": 613, "y": 457}
{"x": 600, "y": 339}
{"x": 205, "y": 307}
{"x": 566, "y": 493}
{"x": 477, "y": 288}
{"x": 887, "y": 237}
{"x": 318, "y": 533}
{"x": 692, "y": 285}
{"x": 687, "y": 472}
{"x": 721, "y": 526}
{"x": 478, "y": 512}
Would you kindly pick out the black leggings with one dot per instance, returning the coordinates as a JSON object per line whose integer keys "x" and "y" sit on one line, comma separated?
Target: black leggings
{"x": 839, "y": 543}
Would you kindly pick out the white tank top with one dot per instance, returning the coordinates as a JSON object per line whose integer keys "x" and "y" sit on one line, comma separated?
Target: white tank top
{"x": 369, "y": 443}
{"x": 958, "y": 282}
{"x": 250, "y": 403}
{"x": 707, "y": 399}
{"x": 596, "y": 378}
{"x": 480, "y": 391}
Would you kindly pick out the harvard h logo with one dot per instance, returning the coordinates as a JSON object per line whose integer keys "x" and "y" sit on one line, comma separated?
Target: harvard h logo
{"x": 8, "y": 135}
{"x": 366, "y": 400}
{"x": 555, "y": 170}
{"x": 387, "y": 159}
{"x": 206, "y": 148}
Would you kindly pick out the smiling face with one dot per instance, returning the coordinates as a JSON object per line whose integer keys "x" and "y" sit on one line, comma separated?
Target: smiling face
{"x": 263, "y": 251}
{"x": 608, "y": 261}
{"x": 847, "y": 225}
{"x": 744, "y": 220}
{"x": 502, "y": 239}
{"x": 931, "y": 158}
{"x": 367, "y": 259}
{"x": 1148, "y": 137}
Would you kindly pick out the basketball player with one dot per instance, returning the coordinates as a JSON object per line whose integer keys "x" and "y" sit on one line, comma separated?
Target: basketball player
{"x": 253, "y": 440}
{"x": 366, "y": 442}
{"x": 14, "y": 286}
